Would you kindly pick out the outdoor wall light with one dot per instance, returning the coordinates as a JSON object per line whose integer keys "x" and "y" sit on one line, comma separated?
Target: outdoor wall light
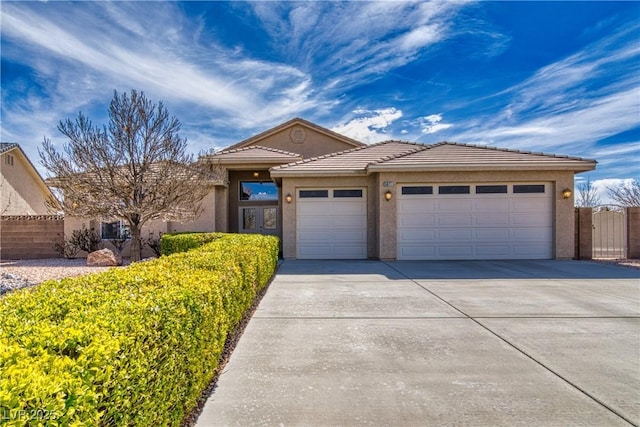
{"x": 566, "y": 193}
{"x": 388, "y": 195}
{"x": 288, "y": 198}
{"x": 256, "y": 174}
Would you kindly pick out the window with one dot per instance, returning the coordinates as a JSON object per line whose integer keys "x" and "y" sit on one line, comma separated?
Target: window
{"x": 270, "y": 218}
{"x": 258, "y": 190}
{"x": 417, "y": 190}
{"x": 347, "y": 193}
{"x": 249, "y": 218}
{"x": 8, "y": 159}
{"x": 537, "y": 188}
{"x": 308, "y": 194}
{"x": 453, "y": 189}
{"x": 115, "y": 230}
{"x": 491, "y": 189}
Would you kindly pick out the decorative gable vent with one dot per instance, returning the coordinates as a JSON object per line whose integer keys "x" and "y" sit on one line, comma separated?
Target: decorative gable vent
{"x": 298, "y": 135}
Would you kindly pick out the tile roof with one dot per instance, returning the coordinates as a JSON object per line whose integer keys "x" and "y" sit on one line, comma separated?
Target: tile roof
{"x": 450, "y": 155}
{"x": 353, "y": 161}
{"x": 252, "y": 154}
{"x": 6, "y": 146}
{"x": 290, "y": 123}
{"x": 399, "y": 155}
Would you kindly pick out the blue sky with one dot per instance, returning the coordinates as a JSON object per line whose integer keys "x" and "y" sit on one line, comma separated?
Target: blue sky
{"x": 558, "y": 77}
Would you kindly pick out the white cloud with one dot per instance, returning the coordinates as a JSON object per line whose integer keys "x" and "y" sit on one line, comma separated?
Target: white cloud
{"x": 371, "y": 128}
{"x": 432, "y": 124}
{"x": 569, "y": 106}
{"x": 601, "y": 186}
{"x": 366, "y": 39}
{"x": 153, "y": 52}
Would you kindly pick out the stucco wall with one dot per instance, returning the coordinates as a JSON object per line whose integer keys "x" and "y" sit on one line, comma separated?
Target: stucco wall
{"x": 205, "y": 222}
{"x": 315, "y": 143}
{"x": 151, "y": 229}
{"x": 22, "y": 192}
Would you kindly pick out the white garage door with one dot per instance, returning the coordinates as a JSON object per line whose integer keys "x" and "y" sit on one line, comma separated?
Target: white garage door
{"x": 475, "y": 221}
{"x": 331, "y": 223}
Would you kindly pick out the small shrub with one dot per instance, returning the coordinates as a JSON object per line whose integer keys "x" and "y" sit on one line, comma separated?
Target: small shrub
{"x": 119, "y": 244}
{"x": 85, "y": 239}
{"x": 64, "y": 248}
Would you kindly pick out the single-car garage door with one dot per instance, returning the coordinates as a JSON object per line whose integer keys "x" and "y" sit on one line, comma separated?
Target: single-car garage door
{"x": 475, "y": 221}
{"x": 331, "y": 223}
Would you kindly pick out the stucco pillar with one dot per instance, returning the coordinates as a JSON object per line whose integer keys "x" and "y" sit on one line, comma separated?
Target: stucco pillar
{"x": 565, "y": 218}
{"x": 387, "y": 243}
{"x": 221, "y": 207}
{"x": 289, "y": 220}
{"x": 584, "y": 233}
{"x": 633, "y": 232}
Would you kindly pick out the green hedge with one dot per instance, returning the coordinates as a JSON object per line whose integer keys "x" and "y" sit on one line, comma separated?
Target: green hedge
{"x": 182, "y": 242}
{"x": 133, "y": 346}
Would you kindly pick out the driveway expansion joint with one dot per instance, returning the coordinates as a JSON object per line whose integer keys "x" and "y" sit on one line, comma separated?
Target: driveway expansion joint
{"x": 521, "y": 351}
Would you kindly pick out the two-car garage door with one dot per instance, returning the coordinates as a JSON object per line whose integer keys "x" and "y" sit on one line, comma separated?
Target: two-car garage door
{"x": 475, "y": 221}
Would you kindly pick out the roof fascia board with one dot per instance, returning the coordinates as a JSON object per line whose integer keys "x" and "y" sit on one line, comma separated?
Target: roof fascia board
{"x": 317, "y": 173}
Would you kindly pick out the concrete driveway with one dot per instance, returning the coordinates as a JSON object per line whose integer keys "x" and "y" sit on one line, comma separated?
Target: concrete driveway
{"x": 359, "y": 343}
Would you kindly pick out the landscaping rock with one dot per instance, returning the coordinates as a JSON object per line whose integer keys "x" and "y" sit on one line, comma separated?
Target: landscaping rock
{"x": 103, "y": 258}
{"x": 11, "y": 282}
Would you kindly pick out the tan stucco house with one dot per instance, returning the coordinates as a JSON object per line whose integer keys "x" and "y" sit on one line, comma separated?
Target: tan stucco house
{"x": 22, "y": 189}
{"x": 328, "y": 196}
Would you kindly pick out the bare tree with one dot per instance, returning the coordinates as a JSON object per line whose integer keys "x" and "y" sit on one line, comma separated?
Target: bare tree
{"x": 136, "y": 168}
{"x": 587, "y": 196}
{"x": 625, "y": 195}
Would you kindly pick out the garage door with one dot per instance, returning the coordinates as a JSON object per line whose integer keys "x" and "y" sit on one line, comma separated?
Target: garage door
{"x": 475, "y": 221}
{"x": 331, "y": 223}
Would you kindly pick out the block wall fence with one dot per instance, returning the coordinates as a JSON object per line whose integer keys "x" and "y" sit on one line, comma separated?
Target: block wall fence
{"x": 29, "y": 236}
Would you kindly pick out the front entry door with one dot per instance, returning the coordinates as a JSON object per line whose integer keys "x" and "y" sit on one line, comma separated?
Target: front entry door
{"x": 259, "y": 219}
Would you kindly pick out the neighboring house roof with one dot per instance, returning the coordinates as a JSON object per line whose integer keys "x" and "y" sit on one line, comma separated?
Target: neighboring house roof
{"x": 7, "y": 146}
{"x": 293, "y": 122}
{"x": 405, "y": 156}
{"x": 253, "y": 154}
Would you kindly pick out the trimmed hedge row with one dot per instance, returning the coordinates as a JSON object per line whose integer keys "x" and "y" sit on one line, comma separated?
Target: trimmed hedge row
{"x": 183, "y": 242}
{"x": 133, "y": 346}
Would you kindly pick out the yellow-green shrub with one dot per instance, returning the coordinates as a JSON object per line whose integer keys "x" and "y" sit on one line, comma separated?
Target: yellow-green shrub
{"x": 133, "y": 346}
{"x": 182, "y": 242}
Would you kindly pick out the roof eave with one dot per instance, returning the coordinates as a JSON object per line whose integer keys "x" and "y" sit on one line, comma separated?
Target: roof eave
{"x": 253, "y": 160}
{"x": 317, "y": 173}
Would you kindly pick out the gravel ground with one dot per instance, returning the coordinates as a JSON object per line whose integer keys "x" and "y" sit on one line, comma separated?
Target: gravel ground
{"x": 16, "y": 274}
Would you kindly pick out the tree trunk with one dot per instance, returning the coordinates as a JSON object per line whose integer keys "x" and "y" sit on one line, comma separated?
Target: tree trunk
{"x": 136, "y": 247}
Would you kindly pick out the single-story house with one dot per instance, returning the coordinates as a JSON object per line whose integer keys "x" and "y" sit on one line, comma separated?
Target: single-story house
{"x": 328, "y": 196}
{"x": 23, "y": 191}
